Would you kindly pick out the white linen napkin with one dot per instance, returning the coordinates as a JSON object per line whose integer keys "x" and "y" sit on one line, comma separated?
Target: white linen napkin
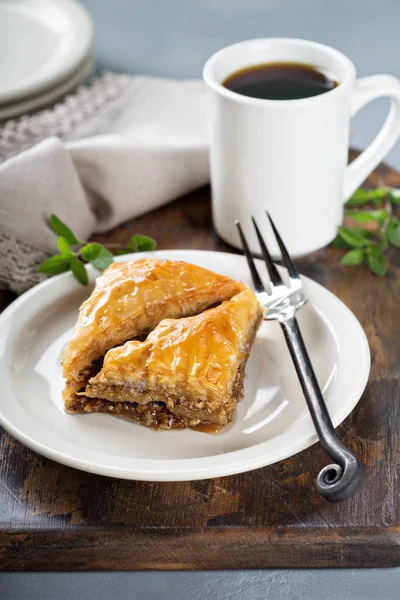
{"x": 107, "y": 154}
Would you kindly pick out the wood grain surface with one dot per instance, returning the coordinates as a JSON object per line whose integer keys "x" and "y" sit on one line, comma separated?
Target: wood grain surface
{"x": 56, "y": 518}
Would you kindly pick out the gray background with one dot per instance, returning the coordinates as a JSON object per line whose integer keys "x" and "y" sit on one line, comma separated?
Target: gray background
{"x": 173, "y": 38}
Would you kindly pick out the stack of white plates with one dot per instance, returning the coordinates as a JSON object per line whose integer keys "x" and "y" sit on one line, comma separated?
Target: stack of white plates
{"x": 45, "y": 52}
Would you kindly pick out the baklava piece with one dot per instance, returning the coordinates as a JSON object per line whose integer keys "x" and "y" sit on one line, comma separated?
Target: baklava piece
{"x": 164, "y": 343}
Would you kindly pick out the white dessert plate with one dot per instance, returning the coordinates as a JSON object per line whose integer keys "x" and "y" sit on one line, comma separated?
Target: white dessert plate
{"x": 272, "y": 420}
{"x": 33, "y": 103}
{"x": 42, "y": 43}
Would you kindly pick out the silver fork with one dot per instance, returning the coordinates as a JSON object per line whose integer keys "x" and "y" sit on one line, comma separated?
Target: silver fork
{"x": 338, "y": 481}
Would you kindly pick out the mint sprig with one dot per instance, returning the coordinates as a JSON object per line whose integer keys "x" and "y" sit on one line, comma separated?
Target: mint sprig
{"x": 365, "y": 245}
{"x": 75, "y": 253}
{"x": 62, "y": 230}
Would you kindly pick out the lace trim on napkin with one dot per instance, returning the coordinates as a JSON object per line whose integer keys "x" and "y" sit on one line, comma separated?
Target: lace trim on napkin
{"x": 60, "y": 121}
{"x": 19, "y": 261}
{"x": 18, "y": 266}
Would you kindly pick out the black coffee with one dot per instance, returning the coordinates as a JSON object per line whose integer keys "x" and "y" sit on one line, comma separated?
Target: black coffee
{"x": 279, "y": 81}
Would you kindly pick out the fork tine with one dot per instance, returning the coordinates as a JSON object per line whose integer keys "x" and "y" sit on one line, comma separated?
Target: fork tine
{"x": 272, "y": 270}
{"x": 293, "y": 272}
{"x": 254, "y": 273}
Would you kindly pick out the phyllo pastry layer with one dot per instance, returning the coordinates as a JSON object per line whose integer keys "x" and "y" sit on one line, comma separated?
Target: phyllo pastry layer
{"x": 188, "y": 371}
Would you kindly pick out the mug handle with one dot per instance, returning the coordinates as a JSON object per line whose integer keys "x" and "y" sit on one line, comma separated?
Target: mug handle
{"x": 365, "y": 90}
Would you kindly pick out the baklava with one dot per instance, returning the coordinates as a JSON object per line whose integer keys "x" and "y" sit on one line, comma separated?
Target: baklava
{"x": 162, "y": 342}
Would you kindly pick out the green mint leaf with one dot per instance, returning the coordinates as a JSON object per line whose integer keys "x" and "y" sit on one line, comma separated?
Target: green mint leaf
{"x": 378, "y": 194}
{"x": 351, "y": 237}
{"x": 367, "y": 216}
{"x": 393, "y": 232}
{"x": 64, "y": 247}
{"x": 79, "y": 271}
{"x": 360, "y": 216}
{"x": 394, "y": 196}
{"x": 120, "y": 251}
{"x": 376, "y": 261}
{"x": 141, "y": 243}
{"x": 91, "y": 251}
{"x": 361, "y": 231}
{"x": 339, "y": 242}
{"x": 361, "y": 196}
{"x": 55, "y": 265}
{"x": 62, "y": 230}
{"x": 379, "y": 215}
{"x": 354, "y": 257}
{"x": 104, "y": 260}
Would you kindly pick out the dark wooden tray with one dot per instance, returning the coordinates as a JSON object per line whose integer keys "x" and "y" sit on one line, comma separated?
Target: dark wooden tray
{"x": 56, "y": 518}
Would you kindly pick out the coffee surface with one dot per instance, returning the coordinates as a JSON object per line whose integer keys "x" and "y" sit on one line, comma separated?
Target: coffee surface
{"x": 279, "y": 81}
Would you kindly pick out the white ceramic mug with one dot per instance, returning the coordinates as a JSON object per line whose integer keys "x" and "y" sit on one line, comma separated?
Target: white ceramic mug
{"x": 290, "y": 156}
